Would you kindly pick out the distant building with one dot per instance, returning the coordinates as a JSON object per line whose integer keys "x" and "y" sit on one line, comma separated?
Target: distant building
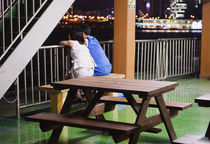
{"x": 150, "y": 7}
{"x": 178, "y": 9}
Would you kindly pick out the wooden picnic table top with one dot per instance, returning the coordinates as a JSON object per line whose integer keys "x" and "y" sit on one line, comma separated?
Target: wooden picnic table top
{"x": 142, "y": 87}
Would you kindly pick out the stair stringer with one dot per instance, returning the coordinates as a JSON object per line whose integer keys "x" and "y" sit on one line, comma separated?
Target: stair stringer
{"x": 31, "y": 43}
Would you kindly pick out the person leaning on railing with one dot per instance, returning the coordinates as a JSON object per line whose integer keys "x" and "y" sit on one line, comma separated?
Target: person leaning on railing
{"x": 103, "y": 67}
{"x": 83, "y": 63}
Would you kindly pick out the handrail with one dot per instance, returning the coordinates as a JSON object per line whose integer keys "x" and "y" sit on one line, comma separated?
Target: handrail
{"x": 21, "y": 32}
{"x": 150, "y": 40}
{"x": 51, "y": 47}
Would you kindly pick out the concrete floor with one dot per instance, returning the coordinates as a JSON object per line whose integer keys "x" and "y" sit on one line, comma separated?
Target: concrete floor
{"x": 191, "y": 121}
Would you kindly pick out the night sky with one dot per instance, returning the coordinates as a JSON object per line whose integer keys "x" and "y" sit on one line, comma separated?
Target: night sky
{"x": 93, "y": 4}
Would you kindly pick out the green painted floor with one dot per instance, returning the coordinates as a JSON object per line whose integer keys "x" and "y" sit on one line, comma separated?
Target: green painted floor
{"x": 191, "y": 121}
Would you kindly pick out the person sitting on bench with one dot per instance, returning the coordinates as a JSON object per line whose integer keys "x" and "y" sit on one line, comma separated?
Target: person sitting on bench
{"x": 103, "y": 67}
{"x": 83, "y": 63}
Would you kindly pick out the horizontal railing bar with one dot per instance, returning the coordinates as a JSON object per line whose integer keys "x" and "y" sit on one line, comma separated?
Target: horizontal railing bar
{"x": 34, "y": 104}
{"x": 51, "y": 46}
{"x": 154, "y": 40}
{"x": 163, "y": 39}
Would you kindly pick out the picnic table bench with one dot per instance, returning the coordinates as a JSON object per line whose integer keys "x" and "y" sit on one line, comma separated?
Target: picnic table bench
{"x": 146, "y": 90}
{"x": 203, "y": 101}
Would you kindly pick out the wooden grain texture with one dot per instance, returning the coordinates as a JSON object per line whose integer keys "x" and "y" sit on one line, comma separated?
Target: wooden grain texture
{"x": 114, "y": 75}
{"x": 50, "y": 88}
{"x": 124, "y": 38}
{"x": 142, "y": 87}
{"x": 165, "y": 117}
{"x": 81, "y": 122}
{"x": 169, "y": 104}
{"x": 205, "y": 42}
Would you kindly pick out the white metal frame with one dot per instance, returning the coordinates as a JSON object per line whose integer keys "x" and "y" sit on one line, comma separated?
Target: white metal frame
{"x": 23, "y": 53}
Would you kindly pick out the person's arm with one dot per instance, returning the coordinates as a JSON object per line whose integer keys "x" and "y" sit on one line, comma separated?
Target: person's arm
{"x": 67, "y": 43}
{"x": 86, "y": 42}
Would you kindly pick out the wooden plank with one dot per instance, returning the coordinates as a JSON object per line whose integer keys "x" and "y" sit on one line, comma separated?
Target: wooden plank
{"x": 192, "y": 139}
{"x": 50, "y": 88}
{"x": 115, "y": 75}
{"x": 142, "y": 87}
{"x": 97, "y": 111}
{"x": 203, "y": 100}
{"x": 169, "y": 105}
{"x": 81, "y": 122}
{"x": 165, "y": 117}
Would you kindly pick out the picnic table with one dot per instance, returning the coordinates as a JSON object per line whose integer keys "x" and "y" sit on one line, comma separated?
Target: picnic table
{"x": 97, "y": 86}
{"x": 203, "y": 101}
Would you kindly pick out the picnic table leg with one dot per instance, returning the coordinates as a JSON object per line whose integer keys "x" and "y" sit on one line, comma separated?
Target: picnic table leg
{"x": 89, "y": 96}
{"x": 208, "y": 131}
{"x": 165, "y": 117}
{"x": 55, "y": 136}
{"x": 65, "y": 109}
{"x": 134, "y": 138}
{"x": 135, "y": 106}
{"x": 93, "y": 102}
{"x": 141, "y": 117}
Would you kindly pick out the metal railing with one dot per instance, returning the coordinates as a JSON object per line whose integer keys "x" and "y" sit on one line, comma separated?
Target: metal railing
{"x": 159, "y": 59}
{"x": 154, "y": 59}
{"x": 16, "y": 16}
{"x": 162, "y": 58}
{"x": 48, "y": 65}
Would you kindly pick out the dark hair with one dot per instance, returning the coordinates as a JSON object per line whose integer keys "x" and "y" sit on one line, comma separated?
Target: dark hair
{"x": 86, "y": 29}
{"x": 75, "y": 34}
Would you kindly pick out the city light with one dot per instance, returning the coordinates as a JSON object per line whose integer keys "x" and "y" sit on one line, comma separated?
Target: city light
{"x": 145, "y": 19}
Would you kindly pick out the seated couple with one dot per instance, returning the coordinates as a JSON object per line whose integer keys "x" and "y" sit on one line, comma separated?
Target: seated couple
{"x": 89, "y": 59}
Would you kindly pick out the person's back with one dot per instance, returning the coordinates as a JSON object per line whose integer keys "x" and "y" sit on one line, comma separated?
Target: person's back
{"x": 83, "y": 63}
{"x": 104, "y": 67}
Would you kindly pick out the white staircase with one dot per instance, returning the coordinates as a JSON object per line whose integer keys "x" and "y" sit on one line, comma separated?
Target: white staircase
{"x": 30, "y": 44}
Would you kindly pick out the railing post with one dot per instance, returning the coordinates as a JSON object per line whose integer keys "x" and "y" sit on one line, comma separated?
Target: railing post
{"x": 17, "y": 99}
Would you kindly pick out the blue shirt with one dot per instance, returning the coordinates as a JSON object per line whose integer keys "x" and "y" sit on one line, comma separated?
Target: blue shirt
{"x": 104, "y": 67}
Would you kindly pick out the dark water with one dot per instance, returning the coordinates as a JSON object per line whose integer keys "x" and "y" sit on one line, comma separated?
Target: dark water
{"x": 104, "y": 34}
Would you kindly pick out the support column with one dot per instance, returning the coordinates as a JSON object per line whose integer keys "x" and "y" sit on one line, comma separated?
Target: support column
{"x": 205, "y": 41}
{"x": 124, "y": 37}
